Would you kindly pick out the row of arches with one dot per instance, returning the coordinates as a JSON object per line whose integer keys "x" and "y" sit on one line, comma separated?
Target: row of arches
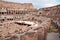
{"x": 14, "y": 12}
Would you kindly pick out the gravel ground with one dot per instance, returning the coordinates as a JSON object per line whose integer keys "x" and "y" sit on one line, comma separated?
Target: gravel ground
{"x": 53, "y": 36}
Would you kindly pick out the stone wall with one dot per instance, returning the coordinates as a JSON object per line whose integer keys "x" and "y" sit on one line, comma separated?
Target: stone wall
{"x": 11, "y": 5}
{"x": 15, "y": 10}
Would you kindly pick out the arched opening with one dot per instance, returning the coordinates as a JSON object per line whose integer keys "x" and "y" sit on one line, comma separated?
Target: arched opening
{"x": 40, "y": 13}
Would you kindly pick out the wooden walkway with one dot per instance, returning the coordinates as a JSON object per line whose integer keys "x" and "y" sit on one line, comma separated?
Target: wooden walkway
{"x": 53, "y": 36}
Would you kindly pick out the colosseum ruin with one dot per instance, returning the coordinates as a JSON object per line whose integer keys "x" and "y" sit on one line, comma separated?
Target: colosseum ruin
{"x": 21, "y": 21}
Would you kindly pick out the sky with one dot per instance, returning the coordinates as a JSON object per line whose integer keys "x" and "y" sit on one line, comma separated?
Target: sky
{"x": 38, "y": 3}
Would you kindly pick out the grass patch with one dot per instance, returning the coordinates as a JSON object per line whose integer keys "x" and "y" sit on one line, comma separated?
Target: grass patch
{"x": 53, "y": 29}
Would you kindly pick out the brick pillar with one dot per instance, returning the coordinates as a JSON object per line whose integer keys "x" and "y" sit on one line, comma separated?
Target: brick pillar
{"x": 30, "y": 36}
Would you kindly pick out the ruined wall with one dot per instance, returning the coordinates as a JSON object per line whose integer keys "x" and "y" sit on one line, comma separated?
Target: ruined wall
{"x": 51, "y": 12}
{"x": 15, "y": 10}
